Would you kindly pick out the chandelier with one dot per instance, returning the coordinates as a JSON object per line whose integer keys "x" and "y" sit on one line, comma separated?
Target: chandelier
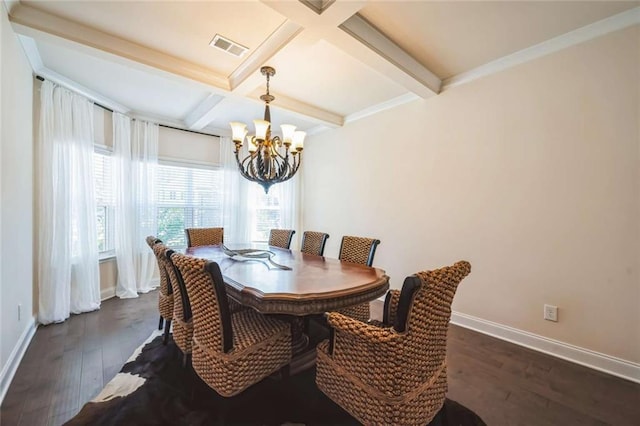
{"x": 270, "y": 159}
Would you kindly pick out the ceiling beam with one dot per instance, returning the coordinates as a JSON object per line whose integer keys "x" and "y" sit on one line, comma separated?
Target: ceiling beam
{"x": 272, "y": 45}
{"x": 404, "y": 68}
{"x": 203, "y": 113}
{"x": 319, "y": 115}
{"x": 30, "y": 21}
{"x": 341, "y": 25}
{"x": 33, "y": 23}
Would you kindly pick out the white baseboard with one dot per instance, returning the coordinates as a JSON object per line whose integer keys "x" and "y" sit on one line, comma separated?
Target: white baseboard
{"x": 596, "y": 360}
{"x": 10, "y": 368}
{"x": 107, "y": 293}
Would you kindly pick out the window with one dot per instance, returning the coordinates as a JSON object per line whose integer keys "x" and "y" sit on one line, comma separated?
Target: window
{"x": 105, "y": 203}
{"x": 187, "y": 197}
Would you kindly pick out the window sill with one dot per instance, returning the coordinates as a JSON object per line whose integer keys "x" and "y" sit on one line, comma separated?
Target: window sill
{"x": 106, "y": 256}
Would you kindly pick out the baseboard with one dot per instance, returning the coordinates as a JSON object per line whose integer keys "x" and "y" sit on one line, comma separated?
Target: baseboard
{"x": 107, "y": 293}
{"x": 15, "y": 357}
{"x": 598, "y": 361}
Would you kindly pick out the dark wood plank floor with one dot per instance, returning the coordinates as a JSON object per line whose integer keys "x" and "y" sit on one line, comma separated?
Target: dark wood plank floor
{"x": 67, "y": 364}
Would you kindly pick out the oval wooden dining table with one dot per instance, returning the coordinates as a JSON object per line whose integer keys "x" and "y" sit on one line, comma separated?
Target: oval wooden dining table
{"x": 312, "y": 285}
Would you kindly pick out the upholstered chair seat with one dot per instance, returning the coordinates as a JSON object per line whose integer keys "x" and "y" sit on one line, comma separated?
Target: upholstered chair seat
{"x": 393, "y": 372}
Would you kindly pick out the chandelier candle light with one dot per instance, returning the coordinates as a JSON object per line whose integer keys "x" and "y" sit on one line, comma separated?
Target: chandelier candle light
{"x": 271, "y": 159}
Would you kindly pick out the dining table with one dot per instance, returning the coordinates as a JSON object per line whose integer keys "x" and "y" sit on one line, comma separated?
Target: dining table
{"x": 293, "y": 285}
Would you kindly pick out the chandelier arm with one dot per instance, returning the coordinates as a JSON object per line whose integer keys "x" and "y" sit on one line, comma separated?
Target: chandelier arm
{"x": 284, "y": 167}
{"x": 251, "y": 169}
{"x": 246, "y": 175}
{"x": 296, "y": 164}
{"x": 241, "y": 165}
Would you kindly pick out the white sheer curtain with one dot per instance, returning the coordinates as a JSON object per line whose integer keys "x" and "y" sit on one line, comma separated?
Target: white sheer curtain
{"x": 240, "y": 199}
{"x": 135, "y": 154}
{"x": 68, "y": 274}
{"x": 288, "y": 194}
{"x": 236, "y": 217}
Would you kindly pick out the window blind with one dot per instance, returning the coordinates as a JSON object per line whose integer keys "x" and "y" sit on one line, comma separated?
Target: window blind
{"x": 105, "y": 203}
{"x": 187, "y": 197}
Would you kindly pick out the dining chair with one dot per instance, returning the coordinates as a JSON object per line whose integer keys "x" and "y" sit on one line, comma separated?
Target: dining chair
{"x": 281, "y": 237}
{"x": 204, "y": 236}
{"x": 231, "y": 351}
{"x": 165, "y": 295}
{"x": 314, "y": 242}
{"x": 182, "y": 317}
{"x": 182, "y": 322}
{"x": 359, "y": 250}
{"x": 393, "y": 371}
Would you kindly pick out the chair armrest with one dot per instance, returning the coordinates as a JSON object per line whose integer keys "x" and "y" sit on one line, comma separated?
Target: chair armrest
{"x": 391, "y": 307}
{"x": 360, "y": 330}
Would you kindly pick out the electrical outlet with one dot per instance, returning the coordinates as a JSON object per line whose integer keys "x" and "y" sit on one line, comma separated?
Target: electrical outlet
{"x": 19, "y": 311}
{"x": 551, "y": 313}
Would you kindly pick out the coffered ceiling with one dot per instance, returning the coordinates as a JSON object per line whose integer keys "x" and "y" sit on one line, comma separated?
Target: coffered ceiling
{"x": 336, "y": 61}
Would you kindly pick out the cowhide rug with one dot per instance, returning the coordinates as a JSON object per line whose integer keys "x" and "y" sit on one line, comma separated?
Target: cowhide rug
{"x": 154, "y": 389}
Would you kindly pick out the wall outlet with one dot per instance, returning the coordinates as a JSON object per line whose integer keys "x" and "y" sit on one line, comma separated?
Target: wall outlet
{"x": 551, "y": 313}
{"x": 19, "y": 311}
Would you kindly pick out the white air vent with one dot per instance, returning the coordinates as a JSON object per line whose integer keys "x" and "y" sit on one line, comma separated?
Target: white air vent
{"x": 228, "y": 46}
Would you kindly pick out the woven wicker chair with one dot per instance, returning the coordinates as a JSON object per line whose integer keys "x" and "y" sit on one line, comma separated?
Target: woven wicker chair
{"x": 231, "y": 351}
{"x": 165, "y": 295}
{"x": 281, "y": 237}
{"x": 204, "y": 236}
{"x": 314, "y": 242}
{"x": 182, "y": 318}
{"x": 394, "y": 372}
{"x": 358, "y": 250}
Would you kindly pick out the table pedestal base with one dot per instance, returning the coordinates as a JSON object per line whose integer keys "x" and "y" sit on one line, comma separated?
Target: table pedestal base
{"x": 299, "y": 339}
{"x": 305, "y": 336}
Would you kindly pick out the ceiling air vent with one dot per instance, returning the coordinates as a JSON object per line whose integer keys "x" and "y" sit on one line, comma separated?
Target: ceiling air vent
{"x": 228, "y": 46}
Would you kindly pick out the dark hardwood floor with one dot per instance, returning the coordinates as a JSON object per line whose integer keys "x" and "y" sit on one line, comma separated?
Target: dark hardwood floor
{"x": 67, "y": 364}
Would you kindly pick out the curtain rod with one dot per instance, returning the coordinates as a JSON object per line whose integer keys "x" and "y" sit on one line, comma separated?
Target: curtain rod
{"x": 161, "y": 125}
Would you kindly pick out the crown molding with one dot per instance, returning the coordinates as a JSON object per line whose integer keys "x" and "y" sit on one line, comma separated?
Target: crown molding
{"x": 33, "y": 56}
{"x": 572, "y": 38}
{"x": 382, "y": 106}
{"x": 9, "y": 5}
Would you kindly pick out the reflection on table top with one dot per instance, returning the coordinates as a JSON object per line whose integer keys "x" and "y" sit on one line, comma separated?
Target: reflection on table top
{"x": 314, "y": 284}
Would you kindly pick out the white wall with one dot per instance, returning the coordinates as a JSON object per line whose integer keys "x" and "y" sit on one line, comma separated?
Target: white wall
{"x": 531, "y": 174}
{"x": 16, "y": 205}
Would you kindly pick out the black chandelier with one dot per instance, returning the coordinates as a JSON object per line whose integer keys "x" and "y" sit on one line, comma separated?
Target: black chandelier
{"x": 271, "y": 159}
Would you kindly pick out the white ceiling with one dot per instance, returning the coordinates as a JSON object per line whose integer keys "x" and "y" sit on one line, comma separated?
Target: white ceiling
{"x": 153, "y": 59}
